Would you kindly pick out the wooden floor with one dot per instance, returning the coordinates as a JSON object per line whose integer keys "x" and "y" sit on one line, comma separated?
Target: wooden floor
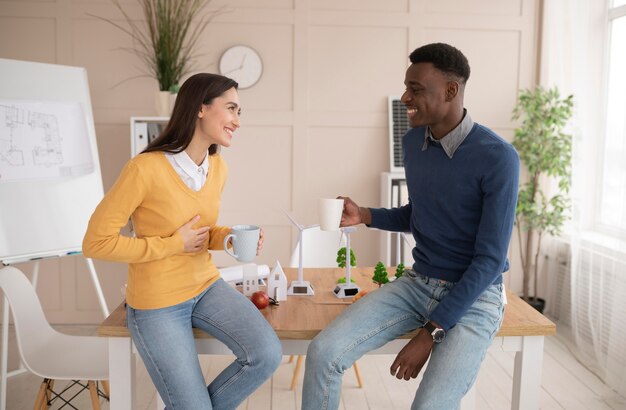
{"x": 566, "y": 384}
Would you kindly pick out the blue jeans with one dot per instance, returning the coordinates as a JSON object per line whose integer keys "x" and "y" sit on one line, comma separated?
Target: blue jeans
{"x": 165, "y": 342}
{"x": 398, "y": 308}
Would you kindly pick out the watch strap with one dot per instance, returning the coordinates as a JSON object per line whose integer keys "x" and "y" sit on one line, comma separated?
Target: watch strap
{"x": 437, "y": 333}
{"x": 429, "y": 327}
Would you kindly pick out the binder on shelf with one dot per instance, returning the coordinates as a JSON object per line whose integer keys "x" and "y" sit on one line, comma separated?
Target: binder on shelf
{"x": 140, "y": 138}
{"x": 143, "y": 130}
{"x": 404, "y": 193}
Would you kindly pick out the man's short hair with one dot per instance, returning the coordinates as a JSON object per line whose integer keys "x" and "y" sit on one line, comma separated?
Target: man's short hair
{"x": 445, "y": 58}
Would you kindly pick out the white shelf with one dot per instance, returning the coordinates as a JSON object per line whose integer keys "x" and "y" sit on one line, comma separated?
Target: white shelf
{"x": 393, "y": 249}
{"x": 143, "y": 130}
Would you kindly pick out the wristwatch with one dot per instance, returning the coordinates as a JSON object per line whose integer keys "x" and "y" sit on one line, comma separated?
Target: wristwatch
{"x": 437, "y": 333}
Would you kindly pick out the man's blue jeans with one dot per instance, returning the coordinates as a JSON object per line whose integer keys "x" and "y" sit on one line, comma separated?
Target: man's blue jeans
{"x": 398, "y": 308}
{"x": 165, "y": 342}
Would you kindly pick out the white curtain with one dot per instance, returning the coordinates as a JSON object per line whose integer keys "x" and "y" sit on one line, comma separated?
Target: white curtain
{"x": 587, "y": 297}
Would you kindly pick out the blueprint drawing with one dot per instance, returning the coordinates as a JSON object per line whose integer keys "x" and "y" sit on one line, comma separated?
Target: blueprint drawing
{"x": 43, "y": 140}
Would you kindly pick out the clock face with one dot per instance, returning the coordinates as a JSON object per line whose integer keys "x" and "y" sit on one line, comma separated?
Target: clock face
{"x": 243, "y": 64}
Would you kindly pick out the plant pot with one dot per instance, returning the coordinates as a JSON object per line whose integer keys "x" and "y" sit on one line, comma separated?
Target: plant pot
{"x": 172, "y": 102}
{"x": 538, "y": 303}
{"x": 162, "y": 103}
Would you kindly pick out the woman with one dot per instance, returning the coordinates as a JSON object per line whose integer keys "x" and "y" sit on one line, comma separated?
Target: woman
{"x": 171, "y": 192}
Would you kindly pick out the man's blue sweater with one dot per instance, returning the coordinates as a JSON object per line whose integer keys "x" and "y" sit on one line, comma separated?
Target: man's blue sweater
{"x": 460, "y": 212}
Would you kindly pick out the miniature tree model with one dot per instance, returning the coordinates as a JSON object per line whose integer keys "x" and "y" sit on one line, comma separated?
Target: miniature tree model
{"x": 380, "y": 274}
{"x": 341, "y": 262}
{"x": 341, "y": 258}
{"x": 399, "y": 270}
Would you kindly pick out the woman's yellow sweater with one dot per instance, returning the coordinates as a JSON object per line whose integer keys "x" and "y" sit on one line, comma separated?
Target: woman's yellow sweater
{"x": 153, "y": 196}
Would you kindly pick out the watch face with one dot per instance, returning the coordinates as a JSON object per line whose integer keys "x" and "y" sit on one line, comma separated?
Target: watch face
{"x": 438, "y": 335}
{"x": 243, "y": 64}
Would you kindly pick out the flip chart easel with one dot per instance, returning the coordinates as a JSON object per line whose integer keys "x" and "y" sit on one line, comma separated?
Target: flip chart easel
{"x": 46, "y": 200}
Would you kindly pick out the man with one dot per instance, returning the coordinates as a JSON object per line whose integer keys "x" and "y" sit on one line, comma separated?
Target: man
{"x": 462, "y": 180}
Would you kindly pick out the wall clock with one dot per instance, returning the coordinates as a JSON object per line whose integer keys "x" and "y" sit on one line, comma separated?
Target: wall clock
{"x": 243, "y": 64}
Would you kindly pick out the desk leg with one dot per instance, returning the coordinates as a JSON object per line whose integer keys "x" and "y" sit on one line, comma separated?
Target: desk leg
{"x": 96, "y": 284}
{"x": 527, "y": 374}
{"x": 121, "y": 373}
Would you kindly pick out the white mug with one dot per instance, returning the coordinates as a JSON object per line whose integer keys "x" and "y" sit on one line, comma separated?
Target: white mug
{"x": 330, "y": 211}
{"x": 245, "y": 242}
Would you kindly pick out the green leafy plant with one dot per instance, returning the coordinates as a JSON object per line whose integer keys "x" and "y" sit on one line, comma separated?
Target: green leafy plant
{"x": 166, "y": 37}
{"x": 546, "y": 150}
{"x": 399, "y": 270}
{"x": 341, "y": 258}
{"x": 343, "y": 280}
{"x": 380, "y": 274}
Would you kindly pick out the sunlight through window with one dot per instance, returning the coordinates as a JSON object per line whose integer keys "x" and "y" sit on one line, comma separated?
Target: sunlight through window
{"x": 613, "y": 198}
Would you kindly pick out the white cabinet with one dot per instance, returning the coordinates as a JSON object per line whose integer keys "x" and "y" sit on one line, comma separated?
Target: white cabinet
{"x": 143, "y": 130}
{"x": 395, "y": 247}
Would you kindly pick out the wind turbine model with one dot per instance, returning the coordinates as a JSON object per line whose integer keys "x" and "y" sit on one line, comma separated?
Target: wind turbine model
{"x": 348, "y": 289}
{"x": 300, "y": 287}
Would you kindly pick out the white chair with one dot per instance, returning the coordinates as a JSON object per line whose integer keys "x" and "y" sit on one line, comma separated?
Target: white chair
{"x": 320, "y": 251}
{"x": 48, "y": 353}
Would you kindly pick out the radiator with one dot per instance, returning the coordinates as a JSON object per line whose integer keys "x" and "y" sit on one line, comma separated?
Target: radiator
{"x": 590, "y": 307}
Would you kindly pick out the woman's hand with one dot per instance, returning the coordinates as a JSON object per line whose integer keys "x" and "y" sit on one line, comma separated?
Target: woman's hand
{"x": 260, "y": 244}
{"x": 193, "y": 239}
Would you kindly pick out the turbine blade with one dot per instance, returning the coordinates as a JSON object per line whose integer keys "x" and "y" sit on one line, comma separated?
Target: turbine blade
{"x": 293, "y": 221}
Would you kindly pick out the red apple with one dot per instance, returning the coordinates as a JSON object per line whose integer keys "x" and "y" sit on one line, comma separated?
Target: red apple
{"x": 260, "y": 299}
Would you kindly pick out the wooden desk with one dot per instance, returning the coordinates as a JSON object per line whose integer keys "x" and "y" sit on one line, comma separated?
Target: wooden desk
{"x": 298, "y": 319}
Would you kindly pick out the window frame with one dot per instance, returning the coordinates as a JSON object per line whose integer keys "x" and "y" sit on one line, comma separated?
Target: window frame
{"x": 613, "y": 13}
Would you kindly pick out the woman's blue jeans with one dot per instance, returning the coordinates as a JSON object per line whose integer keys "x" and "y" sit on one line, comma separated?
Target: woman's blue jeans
{"x": 165, "y": 342}
{"x": 398, "y": 308}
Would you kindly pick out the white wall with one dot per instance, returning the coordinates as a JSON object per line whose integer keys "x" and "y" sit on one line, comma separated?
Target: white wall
{"x": 315, "y": 125}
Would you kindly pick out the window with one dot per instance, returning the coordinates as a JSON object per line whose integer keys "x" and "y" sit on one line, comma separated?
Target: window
{"x": 612, "y": 206}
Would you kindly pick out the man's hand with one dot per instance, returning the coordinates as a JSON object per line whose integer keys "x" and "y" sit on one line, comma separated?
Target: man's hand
{"x": 193, "y": 238}
{"x": 352, "y": 214}
{"x": 413, "y": 356}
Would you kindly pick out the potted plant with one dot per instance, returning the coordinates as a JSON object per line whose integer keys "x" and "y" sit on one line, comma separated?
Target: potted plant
{"x": 545, "y": 149}
{"x": 165, "y": 40}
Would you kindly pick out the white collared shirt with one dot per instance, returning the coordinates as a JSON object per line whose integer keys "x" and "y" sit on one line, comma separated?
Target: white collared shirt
{"x": 193, "y": 175}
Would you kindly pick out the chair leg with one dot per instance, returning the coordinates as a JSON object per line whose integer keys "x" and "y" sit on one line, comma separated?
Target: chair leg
{"x": 359, "y": 382}
{"x": 41, "y": 395}
{"x": 290, "y": 359}
{"x": 105, "y": 387}
{"x": 49, "y": 392}
{"x": 294, "y": 380}
{"x": 93, "y": 392}
{"x": 296, "y": 372}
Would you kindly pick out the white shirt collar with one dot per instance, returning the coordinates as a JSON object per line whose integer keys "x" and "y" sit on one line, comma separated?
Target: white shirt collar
{"x": 184, "y": 161}
{"x": 193, "y": 175}
{"x": 452, "y": 140}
